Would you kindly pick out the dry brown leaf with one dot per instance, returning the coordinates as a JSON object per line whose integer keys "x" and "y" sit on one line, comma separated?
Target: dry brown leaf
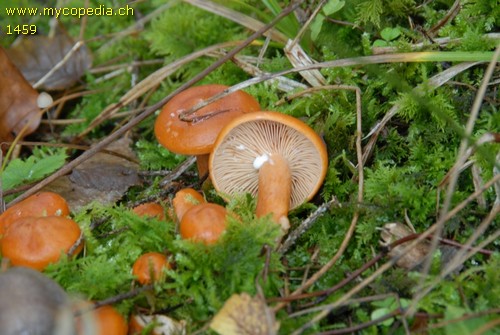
{"x": 244, "y": 315}
{"x": 37, "y": 55}
{"x": 104, "y": 178}
{"x": 18, "y": 102}
{"x": 394, "y": 231}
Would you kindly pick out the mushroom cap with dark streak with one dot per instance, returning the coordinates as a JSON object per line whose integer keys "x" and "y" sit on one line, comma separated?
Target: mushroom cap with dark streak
{"x": 197, "y": 137}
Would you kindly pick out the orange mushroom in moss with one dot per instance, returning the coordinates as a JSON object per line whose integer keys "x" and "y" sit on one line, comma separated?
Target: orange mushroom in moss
{"x": 203, "y": 223}
{"x": 104, "y": 320}
{"x": 273, "y": 156}
{"x": 197, "y": 135}
{"x": 184, "y": 199}
{"x": 150, "y": 209}
{"x": 35, "y": 242}
{"x": 40, "y": 204}
{"x": 149, "y": 267}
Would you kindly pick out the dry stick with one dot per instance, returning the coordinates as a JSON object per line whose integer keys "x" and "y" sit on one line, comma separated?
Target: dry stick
{"x": 437, "y": 80}
{"x": 461, "y": 158}
{"x": 235, "y": 16}
{"x": 384, "y": 267}
{"x": 354, "y": 221}
{"x": 306, "y": 224}
{"x": 347, "y": 303}
{"x": 459, "y": 319}
{"x": 178, "y": 171}
{"x": 306, "y": 25}
{"x": 450, "y": 15}
{"x": 136, "y": 120}
{"x": 146, "y": 84}
{"x": 63, "y": 61}
{"x": 83, "y": 25}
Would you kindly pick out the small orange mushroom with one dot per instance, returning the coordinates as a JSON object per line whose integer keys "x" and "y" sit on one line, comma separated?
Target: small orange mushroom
{"x": 203, "y": 223}
{"x": 35, "y": 242}
{"x": 185, "y": 199}
{"x": 273, "y": 156}
{"x": 197, "y": 136}
{"x": 150, "y": 209}
{"x": 148, "y": 267}
{"x": 40, "y": 204}
{"x": 104, "y": 320}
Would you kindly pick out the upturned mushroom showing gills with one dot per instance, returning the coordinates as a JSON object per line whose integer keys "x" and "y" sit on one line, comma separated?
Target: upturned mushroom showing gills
{"x": 197, "y": 135}
{"x": 273, "y": 156}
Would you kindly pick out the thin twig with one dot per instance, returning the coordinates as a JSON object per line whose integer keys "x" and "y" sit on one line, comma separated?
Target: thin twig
{"x": 63, "y": 61}
{"x": 461, "y": 158}
{"x": 459, "y": 258}
{"x": 355, "y": 218}
{"x": 178, "y": 171}
{"x": 306, "y": 224}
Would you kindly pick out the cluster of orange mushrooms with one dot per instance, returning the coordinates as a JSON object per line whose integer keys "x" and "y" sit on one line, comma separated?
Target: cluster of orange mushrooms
{"x": 33, "y": 234}
{"x": 273, "y": 156}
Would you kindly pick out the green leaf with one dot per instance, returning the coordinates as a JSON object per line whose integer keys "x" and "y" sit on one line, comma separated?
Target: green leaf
{"x": 379, "y": 43}
{"x": 18, "y": 171}
{"x": 316, "y": 26}
{"x": 333, "y": 6}
{"x": 389, "y": 34}
{"x": 467, "y": 326}
{"x": 378, "y": 313}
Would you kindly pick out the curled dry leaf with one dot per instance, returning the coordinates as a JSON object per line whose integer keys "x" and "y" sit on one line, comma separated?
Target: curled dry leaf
{"x": 36, "y": 56}
{"x": 18, "y": 102}
{"x": 244, "y": 315}
{"x": 414, "y": 258}
{"x": 394, "y": 231}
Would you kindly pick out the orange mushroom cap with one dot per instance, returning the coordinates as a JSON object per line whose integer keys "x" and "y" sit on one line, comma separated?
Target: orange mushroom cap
{"x": 105, "y": 320}
{"x": 150, "y": 209}
{"x": 198, "y": 137}
{"x": 185, "y": 199}
{"x": 40, "y": 204}
{"x": 245, "y": 143}
{"x": 35, "y": 242}
{"x": 203, "y": 223}
{"x": 149, "y": 266}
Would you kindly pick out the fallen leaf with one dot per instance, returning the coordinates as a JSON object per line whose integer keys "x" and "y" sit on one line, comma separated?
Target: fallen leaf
{"x": 103, "y": 178}
{"x": 412, "y": 259}
{"x": 244, "y": 315}
{"x": 18, "y": 102}
{"x": 35, "y": 56}
{"x": 394, "y": 231}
